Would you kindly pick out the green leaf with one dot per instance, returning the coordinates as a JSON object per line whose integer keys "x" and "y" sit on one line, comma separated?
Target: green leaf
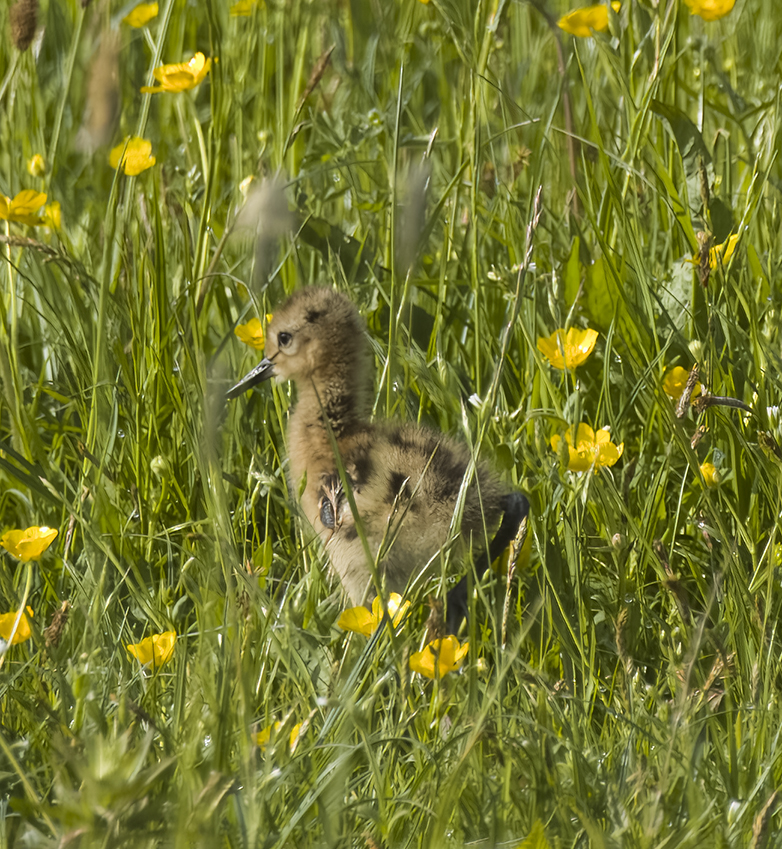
{"x": 758, "y": 275}
{"x": 262, "y": 561}
{"x": 573, "y": 273}
{"x": 536, "y": 839}
{"x": 721, "y": 219}
{"x": 688, "y": 138}
{"x": 504, "y": 456}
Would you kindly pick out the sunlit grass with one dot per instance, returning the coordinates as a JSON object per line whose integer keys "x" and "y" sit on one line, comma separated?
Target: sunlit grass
{"x": 624, "y": 689}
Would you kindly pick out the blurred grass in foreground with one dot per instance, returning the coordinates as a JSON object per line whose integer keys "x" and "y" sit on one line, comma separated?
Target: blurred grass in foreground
{"x": 636, "y": 700}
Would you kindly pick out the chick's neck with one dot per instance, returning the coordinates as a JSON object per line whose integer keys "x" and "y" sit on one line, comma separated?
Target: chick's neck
{"x": 340, "y": 394}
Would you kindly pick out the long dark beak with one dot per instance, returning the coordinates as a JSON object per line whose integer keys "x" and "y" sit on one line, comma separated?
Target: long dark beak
{"x": 263, "y": 371}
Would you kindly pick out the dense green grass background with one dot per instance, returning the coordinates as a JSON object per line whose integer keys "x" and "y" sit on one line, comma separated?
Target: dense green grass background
{"x": 636, "y": 700}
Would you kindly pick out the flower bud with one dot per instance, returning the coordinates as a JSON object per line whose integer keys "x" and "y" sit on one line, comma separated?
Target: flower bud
{"x": 24, "y": 19}
{"x": 36, "y": 166}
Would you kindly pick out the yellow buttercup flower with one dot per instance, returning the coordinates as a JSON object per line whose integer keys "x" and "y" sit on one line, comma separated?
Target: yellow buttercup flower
{"x": 439, "y": 658}
{"x": 721, "y": 254}
{"x": 22, "y": 629}
{"x": 710, "y": 10}
{"x": 23, "y": 208}
{"x": 141, "y": 15}
{"x": 587, "y": 20}
{"x": 180, "y": 76}
{"x": 362, "y": 621}
{"x": 567, "y": 350}
{"x": 675, "y": 381}
{"x": 251, "y": 333}
{"x": 29, "y": 544}
{"x": 36, "y": 166}
{"x": 135, "y": 155}
{"x": 710, "y": 474}
{"x": 243, "y": 8}
{"x": 265, "y": 734}
{"x": 156, "y": 649}
{"x": 52, "y": 215}
{"x": 591, "y": 449}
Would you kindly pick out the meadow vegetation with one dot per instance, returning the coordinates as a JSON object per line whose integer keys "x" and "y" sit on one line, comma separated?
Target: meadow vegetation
{"x": 475, "y": 178}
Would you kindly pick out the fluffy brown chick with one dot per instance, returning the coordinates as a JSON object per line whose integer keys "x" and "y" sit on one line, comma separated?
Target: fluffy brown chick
{"x": 405, "y": 479}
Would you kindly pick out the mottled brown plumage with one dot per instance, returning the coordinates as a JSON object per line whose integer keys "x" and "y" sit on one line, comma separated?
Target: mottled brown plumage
{"x": 405, "y": 479}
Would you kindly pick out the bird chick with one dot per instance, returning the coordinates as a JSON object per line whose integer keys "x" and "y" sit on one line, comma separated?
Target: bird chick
{"x": 405, "y": 479}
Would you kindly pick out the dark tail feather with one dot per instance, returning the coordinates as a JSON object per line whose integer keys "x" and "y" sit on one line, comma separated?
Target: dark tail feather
{"x": 515, "y": 509}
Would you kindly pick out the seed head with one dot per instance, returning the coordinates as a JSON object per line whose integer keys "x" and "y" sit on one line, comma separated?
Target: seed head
{"x": 24, "y": 18}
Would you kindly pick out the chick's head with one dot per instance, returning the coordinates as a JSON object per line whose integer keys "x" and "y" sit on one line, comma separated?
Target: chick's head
{"x": 316, "y": 332}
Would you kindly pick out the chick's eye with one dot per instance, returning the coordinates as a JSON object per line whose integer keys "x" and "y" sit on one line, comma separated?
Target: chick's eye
{"x": 284, "y": 339}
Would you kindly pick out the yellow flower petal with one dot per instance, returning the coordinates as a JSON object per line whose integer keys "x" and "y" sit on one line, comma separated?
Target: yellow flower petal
{"x": 607, "y": 452}
{"x": 721, "y": 254}
{"x": 710, "y": 10}
{"x": 439, "y": 658}
{"x": 251, "y": 333}
{"x": 36, "y": 166}
{"x": 156, "y": 649}
{"x": 22, "y": 632}
{"x": 675, "y": 381}
{"x": 294, "y": 738}
{"x": 264, "y": 735}
{"x": 134, "y": 154}
{"x": 52, "y": 215}
{"x": 568, "y": 350}
{"x": 23, "y": 208}
{"x": 141, "y": 15}
{"x": 22, "y": 629}
{"x": 396, "y": 608}
{"x": 180, "y": 76}
{"x": 710, "y": 474}
{"x": 591, "y": 450}
{"x": 587, "y": 20}
{"x": 29, "y": 544}
{"x": 377, "y": 610}
{"x": 585, "y": 437}
{"x": 357, "y": 619}
{"x": 360, "y": 620}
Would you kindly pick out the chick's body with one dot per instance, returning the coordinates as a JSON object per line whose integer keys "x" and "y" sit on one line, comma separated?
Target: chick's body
{"x": 405, "y": 479}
